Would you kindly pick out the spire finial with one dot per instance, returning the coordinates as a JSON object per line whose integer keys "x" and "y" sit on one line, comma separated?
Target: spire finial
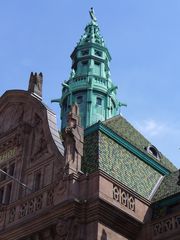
{"x": 92, "y": 15}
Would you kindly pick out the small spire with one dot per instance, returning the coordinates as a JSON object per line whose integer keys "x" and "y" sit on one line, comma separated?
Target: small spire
{"x": 92, "y": 32}
{"x": 35, "y": 84}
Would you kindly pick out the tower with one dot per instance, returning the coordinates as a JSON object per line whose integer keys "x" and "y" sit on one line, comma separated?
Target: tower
{"x": 89, "y": 85}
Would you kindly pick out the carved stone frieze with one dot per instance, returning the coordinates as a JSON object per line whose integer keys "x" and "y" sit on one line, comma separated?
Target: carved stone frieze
{"x": 166, "y": 225}
{"x": 8, "y": 154}
{"x": 31, "y": 206}
{"x": 123, "y": 198}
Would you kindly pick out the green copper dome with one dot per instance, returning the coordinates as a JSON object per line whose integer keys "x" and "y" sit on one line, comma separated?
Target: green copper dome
{"x": 90, "y": 84}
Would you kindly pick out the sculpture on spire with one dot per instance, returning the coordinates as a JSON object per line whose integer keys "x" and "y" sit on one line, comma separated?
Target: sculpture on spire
{"x": 92, "y": 15}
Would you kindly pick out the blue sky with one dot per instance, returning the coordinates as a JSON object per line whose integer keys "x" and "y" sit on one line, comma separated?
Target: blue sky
{"x": 143, "y": 38}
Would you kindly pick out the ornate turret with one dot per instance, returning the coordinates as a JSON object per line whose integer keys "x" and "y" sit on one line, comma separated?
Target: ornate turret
{"x": 89, "y": 84}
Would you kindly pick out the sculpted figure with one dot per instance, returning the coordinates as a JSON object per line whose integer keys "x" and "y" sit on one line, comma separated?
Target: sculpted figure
{"x": 73, "y": 140}
{"x": 92, "y": 15}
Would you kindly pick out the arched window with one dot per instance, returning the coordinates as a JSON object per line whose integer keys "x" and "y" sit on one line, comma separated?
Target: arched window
{"x": 99, "y": 101}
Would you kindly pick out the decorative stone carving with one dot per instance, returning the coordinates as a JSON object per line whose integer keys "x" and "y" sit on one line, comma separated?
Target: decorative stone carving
{"x": 11, "y": 153}
{"x": 61, "y": 189}
{"x": 73, "y": 136}
{"x": 166, "y": 225}
{"x": 47, "y": 234}
{"x": 61, "y": 229}
{"x": 124, "y": 198}
{"x": 12, "y": 213}
{"x": 39, "y": 143}
{"x": 50, "y": 197}
{"x": 35, "y": 84}
{"x": 12, "y": 117}
{"x": 177, "y": 222}
{"x": 68, "y": 229}
{"x": 31, "y": 206}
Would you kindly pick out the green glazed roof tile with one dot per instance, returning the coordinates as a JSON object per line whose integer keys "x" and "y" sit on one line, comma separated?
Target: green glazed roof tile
{"x": 126, "y": 167}
{"x": 168, "y": 187}
{"x": 124, "y": 129}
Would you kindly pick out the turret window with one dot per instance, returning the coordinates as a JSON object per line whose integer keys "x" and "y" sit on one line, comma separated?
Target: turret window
{"x": 98, "y": 53}
{"x": 84, "y": 63}
{"x": 79, "y": 99}
{"x": 97, "y": 41}
{"x": 97, "y": 68}
{"x": 84, "y": 52}
{"x": 84, "y": 67}
{"x": 99, "y": 101}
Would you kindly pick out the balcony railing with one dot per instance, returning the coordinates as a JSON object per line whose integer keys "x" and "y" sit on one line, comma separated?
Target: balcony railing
{"x": 27, "y": 207}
